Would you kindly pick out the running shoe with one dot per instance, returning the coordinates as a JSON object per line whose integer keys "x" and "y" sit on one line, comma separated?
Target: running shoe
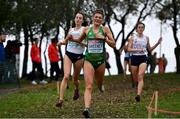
{"x": 34, "y": 82}
{"x": 101, "y": 88}
{"x": 43, "y": 82}
{"x": 86, "y": 113}
{"x": 59, "y": 103}
{"x": 76, "y": 94}
{"x": 137, "y": 98}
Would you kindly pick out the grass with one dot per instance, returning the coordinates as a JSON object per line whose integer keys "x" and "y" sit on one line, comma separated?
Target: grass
{"x": 117, "y": 101}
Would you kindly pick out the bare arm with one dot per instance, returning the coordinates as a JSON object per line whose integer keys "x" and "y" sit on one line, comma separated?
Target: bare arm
{"x": 121, "y": 49}
{"x": 70, "y": 37}
{"x": 64, "y": 41}
{"x": 109, "y": 38}
{"x": 153, "y": 47}
{"x": 82, "y": 37}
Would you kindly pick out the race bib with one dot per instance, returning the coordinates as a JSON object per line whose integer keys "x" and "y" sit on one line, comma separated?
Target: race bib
{"x": 95, "y": 46}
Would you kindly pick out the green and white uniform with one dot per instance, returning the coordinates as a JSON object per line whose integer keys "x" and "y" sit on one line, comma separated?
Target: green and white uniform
{"x": 95, "y": 52}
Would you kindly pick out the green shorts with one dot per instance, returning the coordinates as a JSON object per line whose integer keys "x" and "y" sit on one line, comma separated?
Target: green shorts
{"x": 96, "y": 64}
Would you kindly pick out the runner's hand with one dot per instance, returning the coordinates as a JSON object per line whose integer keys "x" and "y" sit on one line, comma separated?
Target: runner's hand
{"x": 62, "y": 42}
{"x": 100, "y": 37}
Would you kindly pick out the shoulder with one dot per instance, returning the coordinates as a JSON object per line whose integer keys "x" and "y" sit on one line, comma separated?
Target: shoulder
{"x": 146, "y": 37}
{"x": 33, "y": 46}
{"x": 70, "y": 30}
{"x": 82, "y": 27}
{"x": 50, "y": 46}
{"x": 105, "y": 28}
{"x": 131, "y": 38}
{"x": 86, "y": 29}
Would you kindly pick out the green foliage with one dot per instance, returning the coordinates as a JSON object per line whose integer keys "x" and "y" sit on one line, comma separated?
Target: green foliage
{"x": 5, "y": 11}
{"x": 167, "y": 10}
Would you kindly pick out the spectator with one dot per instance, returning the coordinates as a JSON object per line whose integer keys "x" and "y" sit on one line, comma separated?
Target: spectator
{"x": 2, "y": 55}
{"x": 149, "y": 55}
{"x": 10, "y": 69}
{"x": 153, "y": 62}
{"x": 54, "y": 59}
{"x": 164, "y": 62}
{"x": 36, "y": 62}
{"x": 127, "y": 60}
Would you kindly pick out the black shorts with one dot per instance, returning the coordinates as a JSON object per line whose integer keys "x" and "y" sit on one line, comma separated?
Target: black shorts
{"x": 136, "y": 60}
{"x": 74, "y": 57}
{"x": 127, "y": 59}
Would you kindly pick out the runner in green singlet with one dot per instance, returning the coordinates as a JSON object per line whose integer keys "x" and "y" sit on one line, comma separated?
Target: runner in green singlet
{"x": 94, "y": 64}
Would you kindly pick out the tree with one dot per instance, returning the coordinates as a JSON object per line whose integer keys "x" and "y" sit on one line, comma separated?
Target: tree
{"x": 121, "y": 11}
{"x": 5, "y": 13}
{"x": 169, "y": 12}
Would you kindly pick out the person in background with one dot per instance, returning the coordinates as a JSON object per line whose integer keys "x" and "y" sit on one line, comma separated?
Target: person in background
{"x": 54, "y": 58}
{"x": 153, "y": 63}
{"x": 73, "y": 56}
{"x": 36, "y": 62}
{"x": 10, "y": 69}
{"x": 165, "y": 62}
{"x": 127, "y": 61}
{"x": 2, "y": 55}
{"x": 138, "y": 46}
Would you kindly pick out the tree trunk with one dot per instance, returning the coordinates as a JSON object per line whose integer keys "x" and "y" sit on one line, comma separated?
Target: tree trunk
{"x": 118, "y": 62}
{"x": 177, "y": 55}
{"x": 24, "y": 70}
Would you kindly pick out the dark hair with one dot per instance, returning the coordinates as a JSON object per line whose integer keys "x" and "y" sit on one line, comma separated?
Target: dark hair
{"x": 139, "y": 24}
{"x": 99, "y": 11}
{"x": 35, "y": 39}
{"x": 84, "y": 20}
{"x": 80, "y": 12}
{"x": 3, "y": 33}
{"x": 53, "y": 40}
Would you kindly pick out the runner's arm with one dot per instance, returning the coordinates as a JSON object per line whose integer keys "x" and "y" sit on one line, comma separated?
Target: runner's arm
{"x": 109, "y": 38}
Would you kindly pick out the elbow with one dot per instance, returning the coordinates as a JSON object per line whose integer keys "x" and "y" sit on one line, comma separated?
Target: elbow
{"x": 113, "y": 45}
{"x": 129, "y": 49}
{"x": 150, "y": 49}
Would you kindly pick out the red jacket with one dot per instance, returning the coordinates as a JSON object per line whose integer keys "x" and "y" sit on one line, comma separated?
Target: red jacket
{"x": 53, "y": 53}
{"x": 35, "y": 53}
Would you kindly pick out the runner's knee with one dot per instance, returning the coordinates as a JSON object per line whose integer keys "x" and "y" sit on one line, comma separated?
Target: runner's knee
{"x": 66, "y": 77}
{"x": 140, "y": 76}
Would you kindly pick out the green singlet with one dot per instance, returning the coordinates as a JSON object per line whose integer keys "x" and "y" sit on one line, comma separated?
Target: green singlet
{"x": 95, "y": 52}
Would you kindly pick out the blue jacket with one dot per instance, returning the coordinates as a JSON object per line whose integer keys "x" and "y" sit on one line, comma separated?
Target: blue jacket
{"x": 2, "y": 53}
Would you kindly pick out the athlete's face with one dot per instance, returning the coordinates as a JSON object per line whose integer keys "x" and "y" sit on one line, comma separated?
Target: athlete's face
{"x": 78, "y": 19}
{"x": 140, "y": 28}
{"x": 98, "y": 19}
